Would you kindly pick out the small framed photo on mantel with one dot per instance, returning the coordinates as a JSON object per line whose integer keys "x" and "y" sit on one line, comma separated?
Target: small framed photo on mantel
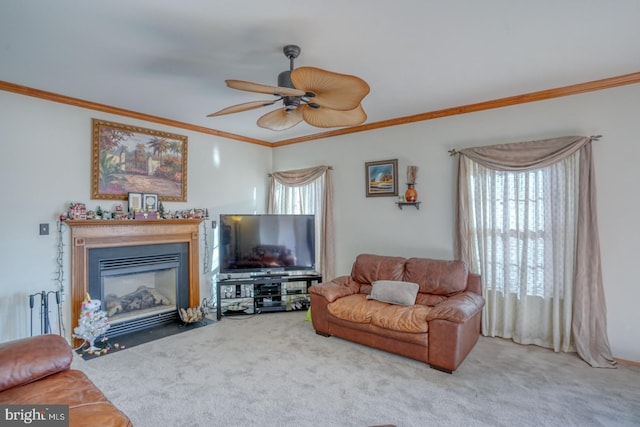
{"x": 150, "y": 202}
{"x": 135, "y": 202}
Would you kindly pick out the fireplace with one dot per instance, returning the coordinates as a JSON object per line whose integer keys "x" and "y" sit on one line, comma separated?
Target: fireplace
{"x": 140, "y": 286}
{"x": 144, "y": 270}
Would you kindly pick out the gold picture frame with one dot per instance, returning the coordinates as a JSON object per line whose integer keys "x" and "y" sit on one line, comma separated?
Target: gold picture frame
{"x": 381, "y": 178}
{"x": 131, "y": 159}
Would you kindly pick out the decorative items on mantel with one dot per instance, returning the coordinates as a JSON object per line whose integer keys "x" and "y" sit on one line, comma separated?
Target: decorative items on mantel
{"x": 153, "y": 210}
{"x": 410, "y": 197}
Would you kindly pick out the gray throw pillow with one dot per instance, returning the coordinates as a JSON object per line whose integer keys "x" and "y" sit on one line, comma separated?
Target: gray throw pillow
{"x": 394, "y": 292}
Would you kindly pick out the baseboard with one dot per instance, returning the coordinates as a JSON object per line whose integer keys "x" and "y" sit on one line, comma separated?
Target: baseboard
{"x": 627, "y": 362}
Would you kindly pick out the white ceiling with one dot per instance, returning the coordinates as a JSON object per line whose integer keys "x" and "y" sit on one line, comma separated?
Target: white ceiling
{"x": 170, "y": 58}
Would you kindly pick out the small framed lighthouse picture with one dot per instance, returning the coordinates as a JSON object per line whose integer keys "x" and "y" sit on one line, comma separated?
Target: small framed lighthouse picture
{"x": 381, "y": 178}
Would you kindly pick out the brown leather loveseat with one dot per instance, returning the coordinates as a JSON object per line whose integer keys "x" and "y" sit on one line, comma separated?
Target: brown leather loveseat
{"x": 439, "y": 327}
{"x": 36, "y": 371}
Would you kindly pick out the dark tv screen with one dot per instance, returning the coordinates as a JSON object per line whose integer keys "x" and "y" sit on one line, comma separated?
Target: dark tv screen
{"x": 265, "y": 243}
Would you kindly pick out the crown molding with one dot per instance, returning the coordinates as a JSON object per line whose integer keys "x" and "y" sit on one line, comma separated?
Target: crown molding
{"x": 611, "y": 82}
{"x": 54, "y": 97}
{"x": 591, "y": 86}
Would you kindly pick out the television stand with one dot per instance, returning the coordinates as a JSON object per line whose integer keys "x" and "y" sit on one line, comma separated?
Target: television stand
{"x": 263, "y": 275}
{"x": 264, "y": 294}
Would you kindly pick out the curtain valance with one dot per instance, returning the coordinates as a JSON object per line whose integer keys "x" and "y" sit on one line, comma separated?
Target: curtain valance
{"x": 299, "y": 176}
{"x": 527, "y": 155}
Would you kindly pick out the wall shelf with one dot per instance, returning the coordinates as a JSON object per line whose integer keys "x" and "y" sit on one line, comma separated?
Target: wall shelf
{"x": 401, "y": 204}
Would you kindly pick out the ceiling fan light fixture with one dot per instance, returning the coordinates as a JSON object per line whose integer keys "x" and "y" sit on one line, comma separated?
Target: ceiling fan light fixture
{"x": 291, "y": 102}
{"x": 319, "y": 97}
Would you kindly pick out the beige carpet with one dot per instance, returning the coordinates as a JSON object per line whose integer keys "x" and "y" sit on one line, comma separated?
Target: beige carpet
{"x": 273, "y": 370}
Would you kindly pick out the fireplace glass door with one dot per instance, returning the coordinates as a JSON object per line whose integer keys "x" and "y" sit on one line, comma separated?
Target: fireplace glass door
{"x": 133, "y": 295}
{"x": 140, "y": 286}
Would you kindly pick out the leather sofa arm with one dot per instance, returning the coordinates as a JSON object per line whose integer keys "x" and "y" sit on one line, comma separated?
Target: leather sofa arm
{"x": 29, "y": 359}
{"x": 337, "y": 288}
{"x": 458, "y": 308}
{"x": 474, "y": 283}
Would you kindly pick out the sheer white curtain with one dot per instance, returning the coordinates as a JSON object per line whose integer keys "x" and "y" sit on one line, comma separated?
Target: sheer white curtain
{"x": 308, "y": 191}
{"x": 527, "y": 223}
{"x": 524, "y": 230}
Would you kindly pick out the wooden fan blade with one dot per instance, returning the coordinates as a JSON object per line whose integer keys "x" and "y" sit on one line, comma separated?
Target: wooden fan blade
{"x": 328, "y": 118}
{"x": 242, "y": 107}
{"x": 280, "y": 119}
{"x": 332, "y": 90}
{"x": 260, "y": 88}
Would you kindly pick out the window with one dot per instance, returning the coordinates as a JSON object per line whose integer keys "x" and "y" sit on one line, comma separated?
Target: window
{"x": 517, "y": 222}
{"x": 523, "y": 231}
{"x": 308, "y": 191}
{"x": 527, "y": 222}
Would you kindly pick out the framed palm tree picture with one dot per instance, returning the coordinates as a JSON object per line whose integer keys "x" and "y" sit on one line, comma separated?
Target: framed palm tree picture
{"x": 130, "y": 159}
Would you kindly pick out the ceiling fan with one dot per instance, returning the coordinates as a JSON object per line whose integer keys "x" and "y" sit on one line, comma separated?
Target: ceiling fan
{"x": 321, "y": 98}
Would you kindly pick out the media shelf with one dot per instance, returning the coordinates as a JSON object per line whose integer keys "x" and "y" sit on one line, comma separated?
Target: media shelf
{"x": 263, "y": 294}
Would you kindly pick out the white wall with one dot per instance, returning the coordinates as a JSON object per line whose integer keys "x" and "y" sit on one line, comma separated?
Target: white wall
{"x": 45, "y": 163}
{"x": 376, "y": 225}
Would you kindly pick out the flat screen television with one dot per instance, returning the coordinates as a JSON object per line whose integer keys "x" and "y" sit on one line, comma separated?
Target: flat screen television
{"x": 267, "y": 243}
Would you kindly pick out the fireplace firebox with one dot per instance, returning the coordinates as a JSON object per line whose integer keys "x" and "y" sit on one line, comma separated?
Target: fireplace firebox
{"x": 140, "y": 286}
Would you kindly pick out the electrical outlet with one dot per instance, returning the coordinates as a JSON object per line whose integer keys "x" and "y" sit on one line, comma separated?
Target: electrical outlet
{"x": 44, "y": 229}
